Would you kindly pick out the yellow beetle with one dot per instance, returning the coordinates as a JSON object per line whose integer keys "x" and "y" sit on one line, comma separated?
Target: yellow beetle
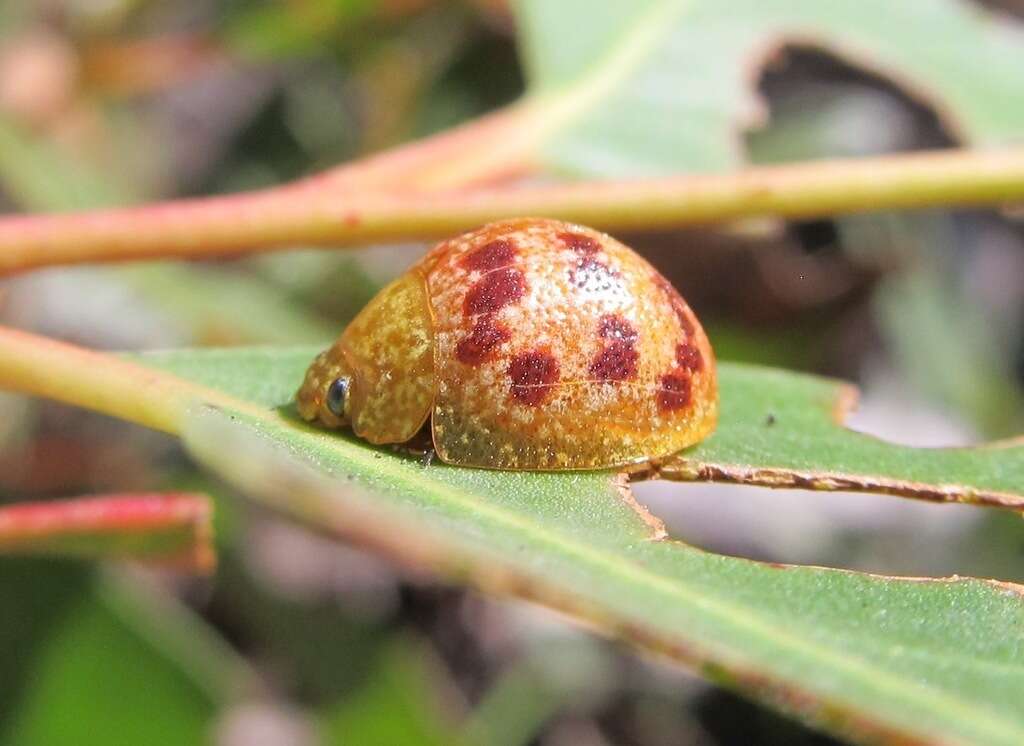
{"x": 528, "y": 344}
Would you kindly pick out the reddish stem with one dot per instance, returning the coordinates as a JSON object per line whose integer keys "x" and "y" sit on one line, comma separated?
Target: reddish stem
{"x": 331, "y": 212}
{"x": 172, "y": 529}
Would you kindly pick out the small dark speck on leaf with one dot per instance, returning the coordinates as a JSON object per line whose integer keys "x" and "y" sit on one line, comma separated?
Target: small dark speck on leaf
{"x": 769, "y": 420}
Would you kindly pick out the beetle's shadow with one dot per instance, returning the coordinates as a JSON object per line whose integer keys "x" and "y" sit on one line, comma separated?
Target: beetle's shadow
{"x": 418, "y": 448}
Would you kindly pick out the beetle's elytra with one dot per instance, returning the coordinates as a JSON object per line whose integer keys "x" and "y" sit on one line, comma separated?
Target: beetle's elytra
{"x": 529, "y": 344}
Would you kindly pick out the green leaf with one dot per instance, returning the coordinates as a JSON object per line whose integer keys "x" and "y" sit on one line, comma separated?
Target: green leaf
{"x": 659, "y": 86}
{"x": 115, "y": 665}
{"x": 398, "y": 704}
{"x": 46, "y": 591}
{"x": 864, "y": 656}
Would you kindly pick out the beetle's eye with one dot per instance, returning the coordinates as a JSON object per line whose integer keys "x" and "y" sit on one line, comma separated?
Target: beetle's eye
{"x": 337, "y": 397}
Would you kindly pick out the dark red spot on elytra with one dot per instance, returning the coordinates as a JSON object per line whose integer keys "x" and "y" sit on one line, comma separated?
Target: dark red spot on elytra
{"x": 495, "y": 290}
{"x": 480, "y": 344}
{"x": 616, "y": 362}
{"x": 674, "y": 392}
{"x": 492, "y": 255}
{"x": 593, "y": 276}
{"x": 580, "y": 242}
{"x": 613, "y": 326}
{"x": 534, "y": 375}
{"x": 689, "y": 357}
{"x": 676, "y": 301}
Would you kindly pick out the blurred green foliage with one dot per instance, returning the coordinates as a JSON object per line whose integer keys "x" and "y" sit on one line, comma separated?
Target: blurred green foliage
{"x": 99, "y": 666}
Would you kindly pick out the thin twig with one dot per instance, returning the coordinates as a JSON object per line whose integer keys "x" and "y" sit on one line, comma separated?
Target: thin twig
{"x": 274, "y": 219}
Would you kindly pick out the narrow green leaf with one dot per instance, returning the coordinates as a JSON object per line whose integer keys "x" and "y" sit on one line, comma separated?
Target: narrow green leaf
{"x": 864, "y": 656}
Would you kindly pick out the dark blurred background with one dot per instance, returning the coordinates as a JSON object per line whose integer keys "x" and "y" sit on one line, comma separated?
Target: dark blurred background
{"x": 298, "y": 640}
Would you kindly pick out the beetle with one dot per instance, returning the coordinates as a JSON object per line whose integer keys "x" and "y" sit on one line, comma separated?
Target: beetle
{"x": 527, "y": 344}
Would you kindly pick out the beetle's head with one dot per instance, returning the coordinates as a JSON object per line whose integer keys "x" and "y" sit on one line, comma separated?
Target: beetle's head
{"x": 326, "y": 393}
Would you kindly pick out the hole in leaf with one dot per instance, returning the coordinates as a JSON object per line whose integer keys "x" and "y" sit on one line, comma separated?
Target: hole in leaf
{"x": 853, "y": 531}
{"x": 803, "y": 79}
